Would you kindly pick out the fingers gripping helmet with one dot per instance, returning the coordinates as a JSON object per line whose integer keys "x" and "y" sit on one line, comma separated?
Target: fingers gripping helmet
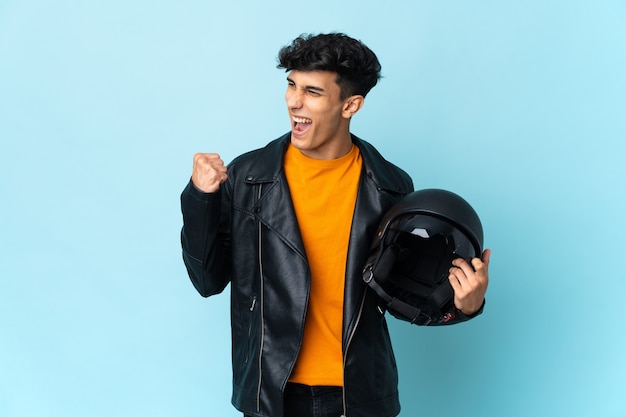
{"x": 415, "y": 244}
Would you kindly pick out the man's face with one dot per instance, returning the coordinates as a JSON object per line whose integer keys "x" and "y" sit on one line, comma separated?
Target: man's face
{"x": 320, "y": 119}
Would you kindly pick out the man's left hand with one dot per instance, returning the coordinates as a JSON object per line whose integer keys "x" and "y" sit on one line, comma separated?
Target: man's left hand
{"x": 470, "y": 282}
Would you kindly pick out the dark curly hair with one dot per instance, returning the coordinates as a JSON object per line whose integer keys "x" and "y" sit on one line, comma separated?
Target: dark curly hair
{"x": 357, "y": 67}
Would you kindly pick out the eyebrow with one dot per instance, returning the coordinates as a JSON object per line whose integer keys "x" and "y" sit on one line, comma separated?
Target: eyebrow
{"x": 309, "y": 87}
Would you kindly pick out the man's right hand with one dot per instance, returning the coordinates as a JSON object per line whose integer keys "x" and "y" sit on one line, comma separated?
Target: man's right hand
{"x": 209, "y": 172}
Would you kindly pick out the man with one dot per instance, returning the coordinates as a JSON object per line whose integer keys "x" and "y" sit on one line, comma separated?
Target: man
{"x": 289, "y": 226}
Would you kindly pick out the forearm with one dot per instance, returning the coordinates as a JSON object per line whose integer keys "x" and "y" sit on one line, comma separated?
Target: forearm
{"x": 203, "y": 245}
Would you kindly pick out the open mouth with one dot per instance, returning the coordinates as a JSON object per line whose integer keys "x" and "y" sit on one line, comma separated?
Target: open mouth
{"x": 300, "y": 124}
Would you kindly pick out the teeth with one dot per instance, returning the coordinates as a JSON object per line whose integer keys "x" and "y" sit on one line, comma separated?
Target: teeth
{"x": 302, "y": 120}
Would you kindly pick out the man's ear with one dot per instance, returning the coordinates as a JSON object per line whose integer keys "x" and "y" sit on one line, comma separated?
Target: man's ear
{"x": 352, "y": 105}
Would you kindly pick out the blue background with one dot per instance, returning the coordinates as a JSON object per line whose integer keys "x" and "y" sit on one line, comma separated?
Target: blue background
{"x": 517, "y": 106}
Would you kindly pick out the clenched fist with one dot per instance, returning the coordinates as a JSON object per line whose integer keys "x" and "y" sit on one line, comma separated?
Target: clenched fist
{"x": 209, "y": 172}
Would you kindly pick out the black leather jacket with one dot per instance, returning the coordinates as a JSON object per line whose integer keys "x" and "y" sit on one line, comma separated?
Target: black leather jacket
{"x": 247, "y": 234}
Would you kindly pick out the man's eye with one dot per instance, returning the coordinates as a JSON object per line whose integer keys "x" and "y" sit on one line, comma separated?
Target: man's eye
{"x": 314, "y": 93}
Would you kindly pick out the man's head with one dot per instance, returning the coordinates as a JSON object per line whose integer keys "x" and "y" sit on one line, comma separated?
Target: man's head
{"x": 356, "y": 66}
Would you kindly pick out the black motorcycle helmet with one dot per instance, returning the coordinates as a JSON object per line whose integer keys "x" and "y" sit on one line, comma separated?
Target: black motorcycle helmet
{"x": 415, "y": 244}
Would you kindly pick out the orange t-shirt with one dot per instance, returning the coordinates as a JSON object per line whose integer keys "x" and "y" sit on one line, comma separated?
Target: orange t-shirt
{"x": 323, "y": 194}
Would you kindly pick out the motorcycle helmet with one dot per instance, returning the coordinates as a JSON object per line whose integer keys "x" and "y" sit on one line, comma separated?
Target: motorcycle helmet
{"x": 415, "y": 244}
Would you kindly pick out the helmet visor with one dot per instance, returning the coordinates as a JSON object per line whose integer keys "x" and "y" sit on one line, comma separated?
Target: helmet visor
{"x": 432, "y": 236}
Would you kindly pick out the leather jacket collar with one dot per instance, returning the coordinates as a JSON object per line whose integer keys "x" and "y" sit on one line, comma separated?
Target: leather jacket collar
{"x": 272, "y": 156}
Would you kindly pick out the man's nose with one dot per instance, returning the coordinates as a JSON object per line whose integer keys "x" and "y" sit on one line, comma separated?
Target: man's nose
{"x": 294, "y": 99}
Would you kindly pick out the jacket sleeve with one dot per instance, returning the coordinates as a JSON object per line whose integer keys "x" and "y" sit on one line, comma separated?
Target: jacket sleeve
{"x": 457, "y": 316}
{"x": 205, "y": 239}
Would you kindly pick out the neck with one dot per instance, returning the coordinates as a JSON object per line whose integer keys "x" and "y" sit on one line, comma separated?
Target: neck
{"x": 338, "y": 147}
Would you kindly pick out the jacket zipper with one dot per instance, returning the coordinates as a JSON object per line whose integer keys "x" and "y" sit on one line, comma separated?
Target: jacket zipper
{"x": 252, "y": 305}
{"x": 258, "y": 397}
{"x": 345, "y": 355}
